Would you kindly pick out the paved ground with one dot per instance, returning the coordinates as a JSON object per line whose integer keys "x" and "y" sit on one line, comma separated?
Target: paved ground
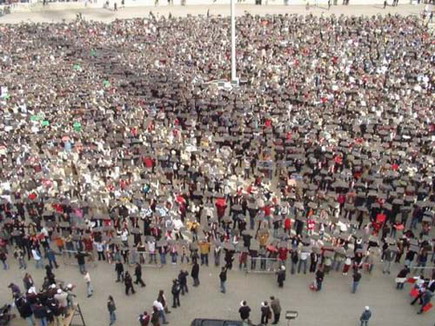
{"x": 335, "y": 305}
{"x": 109, "y": 15}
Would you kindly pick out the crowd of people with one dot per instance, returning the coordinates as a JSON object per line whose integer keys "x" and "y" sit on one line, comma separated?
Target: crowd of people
{"x": 115, "y": 138}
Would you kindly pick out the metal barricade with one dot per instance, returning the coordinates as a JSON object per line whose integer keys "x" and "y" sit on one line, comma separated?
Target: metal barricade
{"x": 263, "y": 265}
{"x": 146, "y": 259}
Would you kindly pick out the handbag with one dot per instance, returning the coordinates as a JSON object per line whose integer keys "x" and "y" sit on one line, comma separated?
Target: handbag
{"x": 427, "y": 307}
{"x": 414, "y": 293}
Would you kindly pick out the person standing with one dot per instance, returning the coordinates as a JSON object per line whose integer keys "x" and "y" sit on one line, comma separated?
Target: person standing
{"x": 89, "y": 287}
{"x": 319, "y": 279}
{"x": 365, "y": 316}
{"x": 281, "y": 276}
{"x": 223, "y": 279}
{"x": 19, "y": 255}
{"x": 276, "y": 308}
{"x": 244, "y": 311}
{"x": 356, "y": 279}
{"x": 111, "y": 307}
{"x": 182, "y": 279}
{"x": 37, "y": 257}
{"x": 266, "y": 313}
{"x": 138, "y": 274}
{"x": 128, "y": 283}
{"x": 204, "y": 248}
{"x": 3, "y": 258}
{"x": 401, "y": 278}
{"x": 175, "y": 293}
{"x": 195, "y": 273}
{"x": 119, "y": 269}
{"x": 80, "y": 256}
{"x": 28, "y": 281}
{"x": 51, "y": 256}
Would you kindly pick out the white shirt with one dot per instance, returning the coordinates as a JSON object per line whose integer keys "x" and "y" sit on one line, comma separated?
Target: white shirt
{"x": 158, "y": 305}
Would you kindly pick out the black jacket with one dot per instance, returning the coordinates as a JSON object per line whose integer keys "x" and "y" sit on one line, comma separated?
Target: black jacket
{"x": 223, "y": 276}
{"x": 138, "y": 270}
{"x": 195, "y": 271}
{"x": 182, "y": 278}
{"x": 23, "y": 307}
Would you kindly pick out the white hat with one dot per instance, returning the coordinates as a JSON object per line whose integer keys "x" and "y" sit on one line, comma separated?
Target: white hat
{"x": 59, "y": 291}
{"x": 367, "y": 308}
{"x": 283, "y": 267}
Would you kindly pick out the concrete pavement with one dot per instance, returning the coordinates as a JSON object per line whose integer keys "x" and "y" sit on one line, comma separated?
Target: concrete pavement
{"x": 334, "y": 305}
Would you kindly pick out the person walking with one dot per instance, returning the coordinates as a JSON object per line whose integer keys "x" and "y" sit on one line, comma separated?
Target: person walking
{"x": 356, "y": 279}
{"x": 244, "y": 311}
{"x": 223, "y": 279}
{"x": 138, "y": 274}
{"x": 276, "y": 308}
{"x": 266, "y": 313}
{"x": 319, "y": 279}
{"x": 111, "y": 307}
{"x": 160, "y": 311}
{"x": 182, "y": 279}
{"x": 365, "y": 316}
{"x": 128, "y": 282}
{"x": 119, "y": 269}
{"x": 195, "y": 273}
{"x": 89, "y": 287}
{"x": 155, "y": 317}
{"x": 280, "y": 276}
{"x": 175, "y": 290}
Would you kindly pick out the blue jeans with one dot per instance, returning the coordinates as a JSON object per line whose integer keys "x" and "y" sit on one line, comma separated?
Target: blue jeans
{"x": 163, "y": 259}
{"x": 5, "y": 265}
{"x": 163, "y": 316}
{"x": 43, "y": 322}
{"x": 30, "y": 321}
{"x": 304, "y": 262}
{"x": 223, "y": 289}
{"x": 40, "y": 263}
{"x": 89, "y": 288}
{"x": 354, "y": 286}
{"x": 22, "y": 263}
{"x": 204, "y": 259}
{"x": 112, "y": 317}
{"x": 82, "y": 268}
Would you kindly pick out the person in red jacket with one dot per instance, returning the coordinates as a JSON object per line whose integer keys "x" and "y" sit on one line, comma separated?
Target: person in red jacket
{"x": 287, "y": 225}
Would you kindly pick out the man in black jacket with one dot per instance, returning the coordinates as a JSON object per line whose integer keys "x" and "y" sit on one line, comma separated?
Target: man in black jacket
{"x": 128, "y": 282}
{"x": 175, "y": 293}
{"x": 138, "y": 274}
{"x": 25, "y": 310}
{"x": 319, "y": 279}
{"x": 119, "y": 269}
{"x": 195, "y": 273}
{"x": 182, "y": 279}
